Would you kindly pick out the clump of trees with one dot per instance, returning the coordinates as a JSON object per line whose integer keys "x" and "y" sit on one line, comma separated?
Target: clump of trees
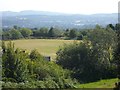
{"x": 23, "y": 70}
{"x": 92, "y": 59}
{"x": 13, "y": 34}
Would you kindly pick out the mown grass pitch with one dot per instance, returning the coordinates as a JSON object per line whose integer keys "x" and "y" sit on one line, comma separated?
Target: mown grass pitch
{"x": 47, "y": 47}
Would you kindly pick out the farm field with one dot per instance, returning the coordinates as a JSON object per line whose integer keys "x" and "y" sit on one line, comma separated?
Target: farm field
{"x": 47, "y": 47}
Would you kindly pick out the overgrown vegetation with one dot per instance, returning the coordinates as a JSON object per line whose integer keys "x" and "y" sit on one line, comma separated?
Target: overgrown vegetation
{"x": 21, "y": 69}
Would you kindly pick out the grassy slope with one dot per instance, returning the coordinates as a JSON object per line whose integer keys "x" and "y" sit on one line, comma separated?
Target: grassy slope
{"x": 47, "y": 47}
{"x": 108, "y": 83}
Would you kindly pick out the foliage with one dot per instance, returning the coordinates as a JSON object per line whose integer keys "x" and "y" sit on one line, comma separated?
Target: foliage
{"x": 15, "y": 34}
{"x": 6, "y": 35}
{"x": 54, "y": 32}
{"x": 25, "y": 32}
{"x": 21, "y": 70}
{"x": 47, "y": 83}
{"x": 42, "y": 32}
{"x": 73, "y": 33}
{"x": 35, "y": 55}
{"x": 117, "y": 52}
{"x": 91, "y": 59}
{"x": 13, "y": 63}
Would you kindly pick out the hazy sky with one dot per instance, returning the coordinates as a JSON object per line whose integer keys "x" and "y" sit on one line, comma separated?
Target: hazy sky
{"x": 65, "y": 6}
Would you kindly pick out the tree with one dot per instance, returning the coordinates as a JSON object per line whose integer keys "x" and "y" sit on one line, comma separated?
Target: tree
{"x": 76, "y": 57}
{"x": 104, "y": 44}
{"x": 15, "y": 34}
{"x": 36, "y": 33}
{"x": 73, "y": 33}
{"x": 66, "y": 33}
{"x": 117, "y": 53}
{"x": 117, "y": 26}
{"x": 54, "y": 32}
{"x": 43, "y": 32}
{"x": 98, "y": 27}
{"x": 91, "y": 59}
{"x": 80, "y": 36}
{"x": 6, "y": 35}
{"x": 26, "y": 32}
{"x": 111, "y": 26}
{"x": 15, "y": 27}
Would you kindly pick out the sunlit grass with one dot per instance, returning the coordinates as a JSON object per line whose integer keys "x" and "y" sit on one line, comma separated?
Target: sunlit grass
{"x": 107, "y": 83}
{"x": 47, "y": 47}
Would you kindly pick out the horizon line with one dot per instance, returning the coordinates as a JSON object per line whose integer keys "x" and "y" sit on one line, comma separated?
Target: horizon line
{"x": 59, "y": 12}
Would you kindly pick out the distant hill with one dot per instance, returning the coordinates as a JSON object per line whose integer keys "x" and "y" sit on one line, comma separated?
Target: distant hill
{"x": 29, "y": 12}
{"x": 39, "y": 19}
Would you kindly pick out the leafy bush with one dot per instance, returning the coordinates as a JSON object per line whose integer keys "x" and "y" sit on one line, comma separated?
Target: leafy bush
{"x": 14, "y": 66}
{"x": 21, "y": 70}
{"x": 35, "y": 55}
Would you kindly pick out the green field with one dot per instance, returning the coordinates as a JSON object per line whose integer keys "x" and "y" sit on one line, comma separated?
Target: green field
{"x": 108, "y": 83}
{"x": 47, "y": 47}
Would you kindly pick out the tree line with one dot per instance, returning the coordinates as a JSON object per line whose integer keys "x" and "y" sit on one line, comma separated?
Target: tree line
{"x": 53, "y": 32}
{"x": 18, "y": 33}
{"x": 44, "y": 32}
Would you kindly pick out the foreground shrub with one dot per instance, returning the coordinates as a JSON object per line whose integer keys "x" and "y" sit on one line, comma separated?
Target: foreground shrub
{"x": 21, "y": 70}
{"x": 14, "y": 66}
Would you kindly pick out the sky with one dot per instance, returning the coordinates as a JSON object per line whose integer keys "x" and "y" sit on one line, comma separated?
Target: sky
{"x": 64, "y": 6}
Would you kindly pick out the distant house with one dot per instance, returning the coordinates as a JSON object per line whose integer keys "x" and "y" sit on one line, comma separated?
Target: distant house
{"x": 48, "y": 58}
